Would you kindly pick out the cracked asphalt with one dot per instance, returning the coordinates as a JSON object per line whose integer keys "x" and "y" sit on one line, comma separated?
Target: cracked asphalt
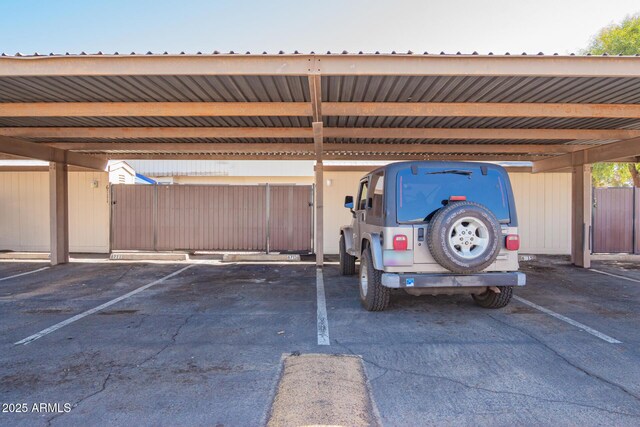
{"x": 205, "y": 347}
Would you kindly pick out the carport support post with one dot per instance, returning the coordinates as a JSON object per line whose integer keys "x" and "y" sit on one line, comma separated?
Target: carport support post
{"x": 319, "y": 213}
{"x": 581, "y": 206}
{"x": 318, "y": 140}
{"x": 59, "y": 212}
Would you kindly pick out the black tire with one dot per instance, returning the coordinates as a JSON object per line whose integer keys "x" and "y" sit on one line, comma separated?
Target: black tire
{"x": 347, "y": 262}
{"x": 490, "y": 299}
{"x": 441, "y": 229}
{"x": 376, "y": 296}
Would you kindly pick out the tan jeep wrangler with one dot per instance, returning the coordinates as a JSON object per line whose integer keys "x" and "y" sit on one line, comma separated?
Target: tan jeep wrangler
{"x": 433, "y": 228}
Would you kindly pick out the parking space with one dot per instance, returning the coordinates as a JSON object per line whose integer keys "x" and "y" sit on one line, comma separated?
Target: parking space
{"x": 10, "y": 270}
{"x": 444, "y": 360}
{"x": 204, "y": 347}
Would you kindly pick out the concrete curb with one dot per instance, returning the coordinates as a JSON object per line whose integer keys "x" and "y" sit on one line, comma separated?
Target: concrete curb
{"x": 260, "y": 257}
{"x": 25, "y": 255}
{"x": 615, "y": 257}
{"x": 148, "y": 256}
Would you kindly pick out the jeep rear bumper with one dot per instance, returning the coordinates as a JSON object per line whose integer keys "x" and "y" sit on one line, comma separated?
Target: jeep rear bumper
{"x": 439, "y": 280}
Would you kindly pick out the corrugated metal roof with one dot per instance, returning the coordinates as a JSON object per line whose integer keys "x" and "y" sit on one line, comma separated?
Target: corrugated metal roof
{"x": 335, "y": 88}
{"x": 597, "y": 90}
{"x": 154, "y": 89}
{"x": 482, "y": 122}
{"x": 265, "y": 141}
{"x": 210, "y": 121}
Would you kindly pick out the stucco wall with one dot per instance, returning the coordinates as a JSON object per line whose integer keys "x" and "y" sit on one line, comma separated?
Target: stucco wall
{"x": 24, "y": 211}
{"x": 543, "y": 202}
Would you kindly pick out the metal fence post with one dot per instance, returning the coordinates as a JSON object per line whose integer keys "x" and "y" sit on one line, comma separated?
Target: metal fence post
{"x": 155, "y": 217}
{"x": 268, "y": 215}
{"x": 634, "y": 232}
{"x": 111, "y": 215}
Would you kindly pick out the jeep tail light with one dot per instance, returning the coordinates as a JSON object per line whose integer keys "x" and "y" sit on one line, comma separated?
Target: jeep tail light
{"x": 512, "y": 242}
{"x": 457, "y": 198}
{"x": 400, "y": 242}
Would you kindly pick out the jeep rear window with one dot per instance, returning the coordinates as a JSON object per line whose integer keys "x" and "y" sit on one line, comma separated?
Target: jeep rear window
{"x": 420, "y": 195}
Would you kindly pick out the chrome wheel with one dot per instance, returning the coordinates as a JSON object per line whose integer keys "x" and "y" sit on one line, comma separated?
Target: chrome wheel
{"x": 469, "y": 237}
{"x": 364, "y": 279}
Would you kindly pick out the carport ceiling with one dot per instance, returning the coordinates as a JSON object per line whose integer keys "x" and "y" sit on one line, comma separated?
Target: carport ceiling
{"x": 557, "y": 111}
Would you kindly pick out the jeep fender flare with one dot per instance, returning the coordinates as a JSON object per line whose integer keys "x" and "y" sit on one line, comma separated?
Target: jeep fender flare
{"x": 373, "y": 242}
{"x": 347, "y": 232}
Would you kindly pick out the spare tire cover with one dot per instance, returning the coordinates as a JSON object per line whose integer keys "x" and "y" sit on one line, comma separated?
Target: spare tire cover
{"x": 464, "y": 237}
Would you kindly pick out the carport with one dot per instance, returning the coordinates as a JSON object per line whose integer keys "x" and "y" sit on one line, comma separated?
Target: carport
{"x": 559, "y": 112}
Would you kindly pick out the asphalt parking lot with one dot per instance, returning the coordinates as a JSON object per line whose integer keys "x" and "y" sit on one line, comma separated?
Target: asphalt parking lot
{"x": 205, "y": 346}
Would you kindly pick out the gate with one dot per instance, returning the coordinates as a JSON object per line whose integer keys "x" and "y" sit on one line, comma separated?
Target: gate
{"x": 615, "y": 220}
{"x": 212, "y": 217}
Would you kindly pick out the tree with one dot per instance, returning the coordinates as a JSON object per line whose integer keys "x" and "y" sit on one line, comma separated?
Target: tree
{"x": 617, "y": 39}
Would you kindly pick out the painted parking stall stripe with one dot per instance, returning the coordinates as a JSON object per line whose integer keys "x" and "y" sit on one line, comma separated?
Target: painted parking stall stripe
{"x": 23, "y": 274}
{"x": 572, "y": 322}
{"x": 615, "y": 275}
{"x": 323, "y": 322}
{"x": 94, "y": 310}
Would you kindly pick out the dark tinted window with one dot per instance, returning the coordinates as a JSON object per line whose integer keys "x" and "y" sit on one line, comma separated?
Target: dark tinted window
{"x": 362, "y": 196}
{"x": 421, "y": 194}
{"x": 376, "y": 194}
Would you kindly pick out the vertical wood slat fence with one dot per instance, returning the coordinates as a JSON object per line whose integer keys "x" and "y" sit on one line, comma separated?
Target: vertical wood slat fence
{"x": 616, "y": 222}
{"x": 212, "y": 217}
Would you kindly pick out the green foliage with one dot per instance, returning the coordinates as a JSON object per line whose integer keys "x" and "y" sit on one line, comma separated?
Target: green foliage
{"x": 618, "y": 39}
{"x": 611, "y": 175}
{"x": 615, "y": 39}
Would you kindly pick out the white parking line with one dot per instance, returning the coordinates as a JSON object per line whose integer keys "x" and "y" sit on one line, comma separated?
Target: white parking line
{"x": 323, "y": 322}
{"x": 23, "y": 274}
{"x": 615, "y": 275}
{"x": 98, "y": 308}
{"x": 572, "y": 322}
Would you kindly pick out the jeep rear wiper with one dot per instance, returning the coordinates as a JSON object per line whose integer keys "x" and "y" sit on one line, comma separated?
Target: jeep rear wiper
{"x": 455, "y": 171}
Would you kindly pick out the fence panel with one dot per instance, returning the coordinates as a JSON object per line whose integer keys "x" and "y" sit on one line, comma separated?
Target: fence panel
{"x": 613, "y": 220}
{"x": 132, "y": 217}
{"x": 290, "y": 218}
{"x": 211, "y": 217}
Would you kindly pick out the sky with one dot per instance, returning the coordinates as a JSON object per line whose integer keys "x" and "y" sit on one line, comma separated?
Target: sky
{"x": 498, "y": 26}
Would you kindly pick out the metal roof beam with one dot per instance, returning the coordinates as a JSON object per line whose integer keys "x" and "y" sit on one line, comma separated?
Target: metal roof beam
{"x": 300, "y": 109}
{"x": 188, "y": 147}
{"x": 300, "y": 65}
{"x": 153, "y": 109}
{"x": 327, "y": 132}
{"x": 158, "y": 132}
{"x": 311, "y": 156}
{"x": 471, "y": 109}
{"x": 19, "y": 147}
{"x": 602, "y": 153}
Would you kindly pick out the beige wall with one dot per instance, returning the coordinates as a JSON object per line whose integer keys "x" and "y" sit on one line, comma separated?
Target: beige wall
{"x": 543, "y": 202}
{"x": 24, "y": 211}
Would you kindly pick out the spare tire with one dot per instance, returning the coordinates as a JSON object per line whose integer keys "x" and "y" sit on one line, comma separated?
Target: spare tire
{"x": 464, "y": 237}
